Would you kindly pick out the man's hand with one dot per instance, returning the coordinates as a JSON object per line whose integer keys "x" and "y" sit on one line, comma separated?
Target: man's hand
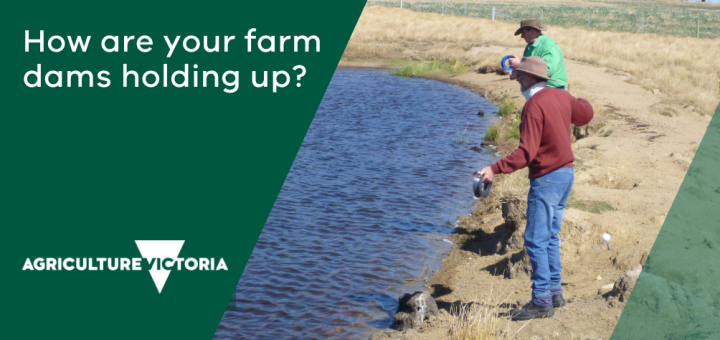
{"x": 488, "y": 173}
{"x": 514, "y": 61}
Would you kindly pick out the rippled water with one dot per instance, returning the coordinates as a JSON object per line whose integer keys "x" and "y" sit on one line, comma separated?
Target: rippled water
{"x": 378, "y": 182}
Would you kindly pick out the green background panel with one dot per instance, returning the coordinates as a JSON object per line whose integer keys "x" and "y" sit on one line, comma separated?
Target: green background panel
{"x": 677, "y": 295}
{"x": 87, "y": 171}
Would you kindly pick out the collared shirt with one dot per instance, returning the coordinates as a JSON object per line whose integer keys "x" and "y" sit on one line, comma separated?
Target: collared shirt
{"x": 548, "y": 49}
{"x": 534, "y": 89}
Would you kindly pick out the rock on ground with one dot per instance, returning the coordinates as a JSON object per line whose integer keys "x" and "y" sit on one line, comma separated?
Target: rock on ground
{"x": 625, "y": 284}
{"x": 413, "y": 310}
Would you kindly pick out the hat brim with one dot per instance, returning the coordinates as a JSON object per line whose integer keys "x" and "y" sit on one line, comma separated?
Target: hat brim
{"x": 514, "y": 76}
{"x": 541, "y": 28}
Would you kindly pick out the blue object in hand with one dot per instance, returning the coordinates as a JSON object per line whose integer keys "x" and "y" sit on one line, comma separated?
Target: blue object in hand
{"x": 504, "y": 59}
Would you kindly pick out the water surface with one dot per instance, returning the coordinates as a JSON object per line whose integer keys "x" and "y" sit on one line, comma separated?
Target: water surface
{"x": 379, "y": 180}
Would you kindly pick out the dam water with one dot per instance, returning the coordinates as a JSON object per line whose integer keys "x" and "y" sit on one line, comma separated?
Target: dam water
{"x": 382, "y": 175}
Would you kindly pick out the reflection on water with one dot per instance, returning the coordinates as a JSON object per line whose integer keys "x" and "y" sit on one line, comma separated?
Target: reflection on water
{"x": 375, "y": 186}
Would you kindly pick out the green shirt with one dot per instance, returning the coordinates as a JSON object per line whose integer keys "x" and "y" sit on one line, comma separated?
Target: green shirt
{"x": 548, "y": 49}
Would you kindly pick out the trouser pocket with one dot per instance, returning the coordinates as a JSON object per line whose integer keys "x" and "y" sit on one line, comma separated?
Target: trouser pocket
{"x": 555, "y": 190}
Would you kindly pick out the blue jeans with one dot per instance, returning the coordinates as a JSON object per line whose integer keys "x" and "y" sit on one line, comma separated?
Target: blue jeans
{"x": 546, "y": 205}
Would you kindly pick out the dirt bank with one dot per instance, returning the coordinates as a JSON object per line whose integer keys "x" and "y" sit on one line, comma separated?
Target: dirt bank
{"x": 628, "y": 171}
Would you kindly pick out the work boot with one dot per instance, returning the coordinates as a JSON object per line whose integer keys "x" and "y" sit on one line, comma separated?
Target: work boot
{"x": 558, "y": 301}
{"x": 532, "y": 311}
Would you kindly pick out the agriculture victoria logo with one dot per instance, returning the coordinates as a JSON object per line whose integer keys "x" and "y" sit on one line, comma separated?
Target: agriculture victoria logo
{"x": 161, "y": 258}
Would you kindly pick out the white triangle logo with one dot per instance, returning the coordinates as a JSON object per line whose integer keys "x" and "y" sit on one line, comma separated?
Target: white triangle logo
{"x": 160, "y": 250}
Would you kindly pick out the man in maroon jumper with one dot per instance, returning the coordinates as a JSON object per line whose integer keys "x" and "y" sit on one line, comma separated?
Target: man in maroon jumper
{"x": 545, "y": 149}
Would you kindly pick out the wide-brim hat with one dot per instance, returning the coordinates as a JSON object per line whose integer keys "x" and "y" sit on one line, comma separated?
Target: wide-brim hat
{"x": 533, "y": 23}
{"x": 532, "y": 65}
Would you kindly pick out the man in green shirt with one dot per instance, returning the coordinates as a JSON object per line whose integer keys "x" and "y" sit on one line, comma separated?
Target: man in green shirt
{"x": 540, "y": 45}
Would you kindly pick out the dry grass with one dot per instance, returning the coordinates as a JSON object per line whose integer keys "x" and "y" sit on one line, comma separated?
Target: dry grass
{"x": 568, "y": 1}
{"x": 480, "y": 320}
{"x": 683, "y": 68}
{"x": 670, "y": 3}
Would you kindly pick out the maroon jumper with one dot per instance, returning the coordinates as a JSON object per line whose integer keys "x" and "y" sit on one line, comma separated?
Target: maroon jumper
{"x": 545, "y": 133}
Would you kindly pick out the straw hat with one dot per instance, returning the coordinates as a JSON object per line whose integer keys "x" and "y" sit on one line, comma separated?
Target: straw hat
{"x": 533, "y": 23}
{"x": 532, "y": 65}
